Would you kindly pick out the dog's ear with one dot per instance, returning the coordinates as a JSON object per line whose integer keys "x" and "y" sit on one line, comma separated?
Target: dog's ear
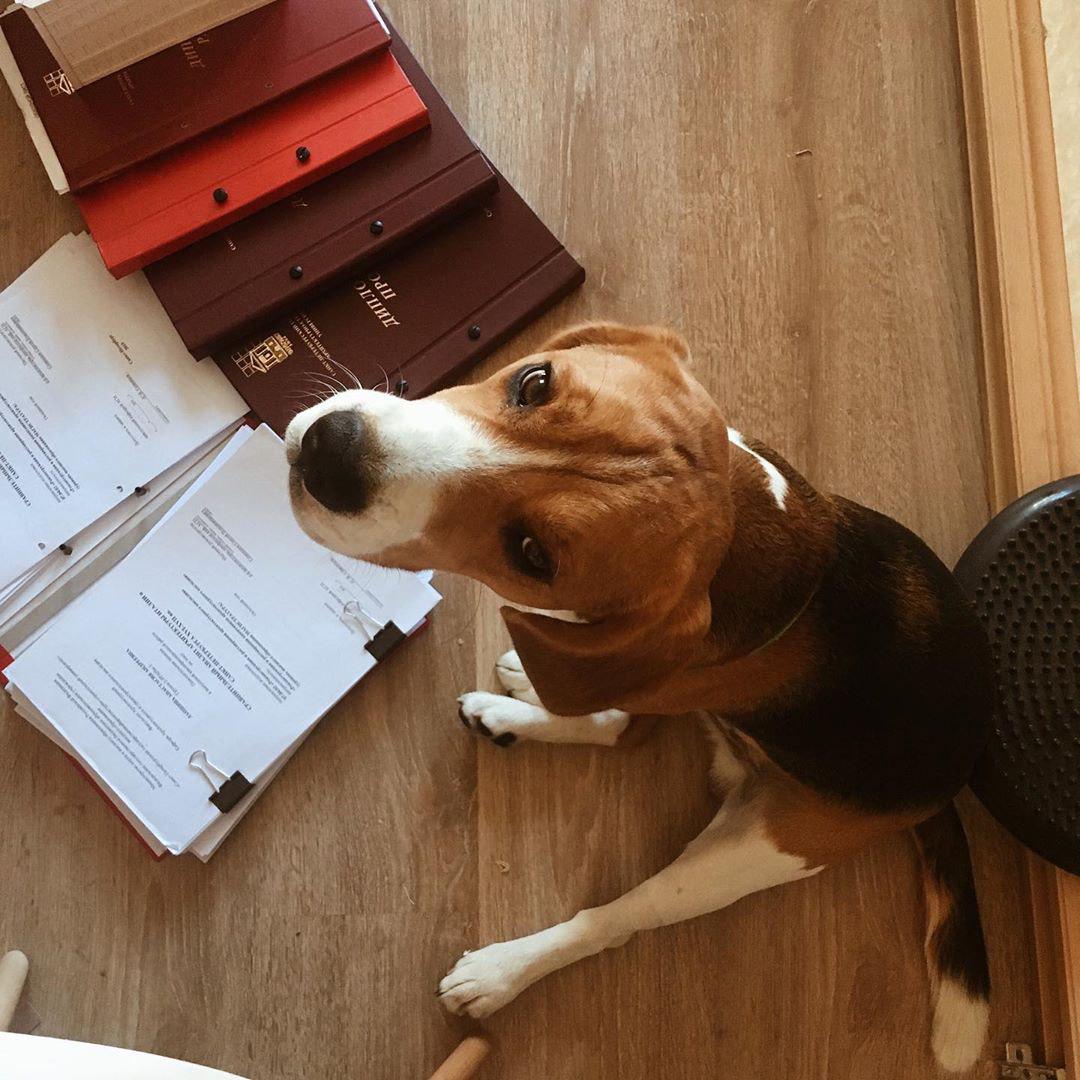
{"x": 580, "y": 668}
{"x": 635, "y": 339}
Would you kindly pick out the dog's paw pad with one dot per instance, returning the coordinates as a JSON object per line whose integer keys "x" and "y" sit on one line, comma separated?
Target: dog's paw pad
{"x": 496, "y": 717}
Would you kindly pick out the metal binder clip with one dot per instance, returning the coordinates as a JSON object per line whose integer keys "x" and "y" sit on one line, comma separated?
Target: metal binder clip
{"x": 382, "y": 636}
{"x": 228, "y": 790}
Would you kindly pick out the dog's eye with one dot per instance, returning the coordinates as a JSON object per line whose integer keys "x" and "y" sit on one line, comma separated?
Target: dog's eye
{"x": 535, "y": 556}
{"x": 533, "y": 386}
{"x": 528, "y": 554}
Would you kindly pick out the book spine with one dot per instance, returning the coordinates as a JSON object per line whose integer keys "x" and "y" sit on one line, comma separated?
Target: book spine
{"x": 140, "y": 146}
{"x": 350, "y": 250}
{"x": 531, "y": 295}
{"x": 131, "y": 245}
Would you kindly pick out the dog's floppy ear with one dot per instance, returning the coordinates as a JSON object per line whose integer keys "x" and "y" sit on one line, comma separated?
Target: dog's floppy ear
{"x": 579, "y": 668}
{"x": 621, "y": 338}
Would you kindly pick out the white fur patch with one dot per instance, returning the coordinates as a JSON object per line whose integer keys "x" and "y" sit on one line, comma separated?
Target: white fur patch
{"x": 727, "y": 770}
{"x": 777, "y": 484}
{"x": 520, "y": 712}
{"x": 521, "y": 715}
{"x": 561, "y": 616}
{"x": 421, "y": 444}
{"x": 960, "y": 1026}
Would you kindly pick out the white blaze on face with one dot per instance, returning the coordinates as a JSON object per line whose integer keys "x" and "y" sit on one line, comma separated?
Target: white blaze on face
{"x": 420, "y": 444}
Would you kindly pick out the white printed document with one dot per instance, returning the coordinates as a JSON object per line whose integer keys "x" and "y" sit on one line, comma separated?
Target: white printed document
{"x": 226, "y": 631}
{"x": 97, "y": 396}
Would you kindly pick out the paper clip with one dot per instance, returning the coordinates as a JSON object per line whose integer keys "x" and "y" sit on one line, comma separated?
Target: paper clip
{"x": 228, "y": 790}
{"x": 382, "y": 636}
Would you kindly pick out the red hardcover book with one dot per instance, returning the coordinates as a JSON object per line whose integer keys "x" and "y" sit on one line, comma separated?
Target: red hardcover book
{"x": 416, "y": 320}
{"x": 126, "y": 118}
{"x": 230, "y": 282}
{"x": 208, "y": 183}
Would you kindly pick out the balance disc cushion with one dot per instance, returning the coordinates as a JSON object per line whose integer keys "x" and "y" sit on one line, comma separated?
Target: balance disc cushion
{"x": 1022, "y": 573}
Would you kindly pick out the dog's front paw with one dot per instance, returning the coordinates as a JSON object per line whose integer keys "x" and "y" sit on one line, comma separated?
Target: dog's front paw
{"x": 498, "y": 718}
{"x": 511, "y": 674}
{"x": 485, "y": 980}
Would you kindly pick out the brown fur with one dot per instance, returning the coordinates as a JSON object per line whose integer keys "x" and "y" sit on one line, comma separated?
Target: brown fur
{"x": 802, "y": 822}
{"x": 633, "y": 459}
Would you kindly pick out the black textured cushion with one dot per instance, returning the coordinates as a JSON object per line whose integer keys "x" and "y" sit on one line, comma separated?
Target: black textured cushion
{"x": 1022, "y": 572}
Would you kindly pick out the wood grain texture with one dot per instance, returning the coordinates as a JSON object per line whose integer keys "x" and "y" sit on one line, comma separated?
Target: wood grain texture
{"x": 1062, "y": 21}
{"x": 829, "y": 299}
{"x": 1030, "y": 374}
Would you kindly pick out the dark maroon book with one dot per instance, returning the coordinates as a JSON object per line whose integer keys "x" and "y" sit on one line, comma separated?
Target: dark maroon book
{"x": 413, "y": 321}
{"x": 137, "y": 113}
{"x": 230, "y": 282}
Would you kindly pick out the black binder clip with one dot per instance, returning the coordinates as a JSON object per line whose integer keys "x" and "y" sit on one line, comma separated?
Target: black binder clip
{"x": 228, "y": 790}
{"x": 382, "y": 636}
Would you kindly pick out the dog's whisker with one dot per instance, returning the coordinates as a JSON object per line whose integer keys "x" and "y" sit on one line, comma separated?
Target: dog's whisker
{"x": 351, "y": 375}
{"x": 314, "y": 396}
{"x": 329, "y": 382}
{"x": 603, "y": 380}
{"x": 325, "y": 385}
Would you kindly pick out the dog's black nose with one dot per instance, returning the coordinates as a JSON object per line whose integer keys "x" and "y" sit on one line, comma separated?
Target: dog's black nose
{"x": 331, "y": 461}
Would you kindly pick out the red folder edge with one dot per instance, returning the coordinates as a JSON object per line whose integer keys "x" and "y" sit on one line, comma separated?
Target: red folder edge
{"x": 113, "y": 807}
{"x": 136, "y": 243}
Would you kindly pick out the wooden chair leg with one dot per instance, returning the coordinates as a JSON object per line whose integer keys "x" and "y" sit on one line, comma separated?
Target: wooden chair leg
{"x": 464, "y": 1061}
{"x": 13, "y": 969}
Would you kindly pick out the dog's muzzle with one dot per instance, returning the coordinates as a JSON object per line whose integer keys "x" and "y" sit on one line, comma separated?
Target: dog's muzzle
{"x": 333, "y": 459}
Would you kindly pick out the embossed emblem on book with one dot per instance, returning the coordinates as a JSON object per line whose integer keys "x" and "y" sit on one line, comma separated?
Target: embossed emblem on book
{"x": 57, "y": 83}
{"x": 260, "y": 358}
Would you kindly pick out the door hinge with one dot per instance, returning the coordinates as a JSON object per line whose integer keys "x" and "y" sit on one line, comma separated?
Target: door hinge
{"x": 1020, "y": 1064}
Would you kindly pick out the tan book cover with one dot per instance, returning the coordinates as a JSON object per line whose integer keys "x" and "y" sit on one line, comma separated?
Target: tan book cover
{"x": 94, "y": 38}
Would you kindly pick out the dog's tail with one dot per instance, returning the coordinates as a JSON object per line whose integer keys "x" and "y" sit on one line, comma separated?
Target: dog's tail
{"x": 955, "y": 948}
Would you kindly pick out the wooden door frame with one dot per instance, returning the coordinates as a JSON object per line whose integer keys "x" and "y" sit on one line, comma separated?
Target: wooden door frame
{"x": 1031, "y": 402}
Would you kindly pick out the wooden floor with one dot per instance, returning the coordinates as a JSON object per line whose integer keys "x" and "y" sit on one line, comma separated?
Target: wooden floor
{"x": 785, "y": 182}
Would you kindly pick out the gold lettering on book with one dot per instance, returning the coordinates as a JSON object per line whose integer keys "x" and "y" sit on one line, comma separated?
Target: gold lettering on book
{"x": 374, "y": 291}
{"x": 308, "y": 333}
{"x": 190, "y": 49}
{"x": 260, "y": 358}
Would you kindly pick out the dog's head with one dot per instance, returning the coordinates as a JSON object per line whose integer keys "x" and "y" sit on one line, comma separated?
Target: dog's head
{"x": 589, "y": 481}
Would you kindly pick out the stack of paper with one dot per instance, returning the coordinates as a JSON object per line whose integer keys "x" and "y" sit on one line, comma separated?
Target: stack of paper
{"x": 206, "y": 656}
{"x": 160, "y": 609}
{"x": 101, "y": 409}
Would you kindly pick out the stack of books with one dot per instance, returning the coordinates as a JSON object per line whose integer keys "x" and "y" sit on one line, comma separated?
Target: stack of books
{"x": 278, "y": 202}
{"x": 299, "y": 197}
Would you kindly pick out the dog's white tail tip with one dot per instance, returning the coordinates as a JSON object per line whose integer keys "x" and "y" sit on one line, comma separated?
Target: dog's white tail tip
{"x": 961, "y": 1022}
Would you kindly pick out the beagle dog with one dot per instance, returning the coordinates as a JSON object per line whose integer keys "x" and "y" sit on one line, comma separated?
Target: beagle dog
{"x": 655, "y": 561}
